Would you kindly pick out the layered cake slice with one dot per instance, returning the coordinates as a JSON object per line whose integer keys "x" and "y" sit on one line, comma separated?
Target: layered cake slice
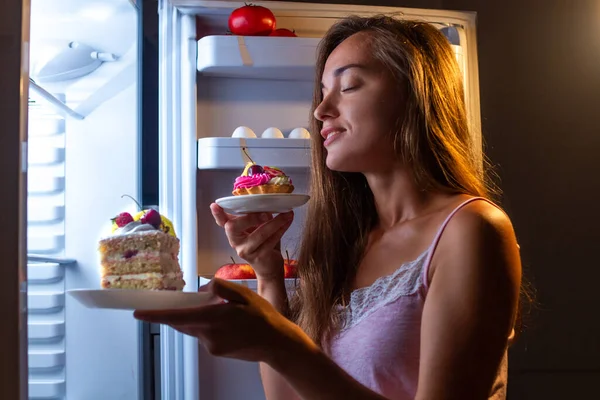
{"x": 141, "y": 253}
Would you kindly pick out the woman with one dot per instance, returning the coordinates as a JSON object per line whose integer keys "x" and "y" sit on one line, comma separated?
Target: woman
{"x": 409, "y": 276}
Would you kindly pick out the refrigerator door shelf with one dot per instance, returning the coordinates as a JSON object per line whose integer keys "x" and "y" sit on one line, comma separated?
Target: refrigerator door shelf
{"x": 274, "y": 58}
{"x": 51, "y": 389}
{"x": 228, "y": 153}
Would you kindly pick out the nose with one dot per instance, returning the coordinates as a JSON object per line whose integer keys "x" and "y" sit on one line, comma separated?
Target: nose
{"x": 326, "y": 109}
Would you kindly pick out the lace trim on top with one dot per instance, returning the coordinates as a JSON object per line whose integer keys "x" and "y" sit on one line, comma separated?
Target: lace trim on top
{"x": 405, "y": 281}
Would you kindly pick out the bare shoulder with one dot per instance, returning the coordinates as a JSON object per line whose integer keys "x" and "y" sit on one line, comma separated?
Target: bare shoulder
{"x": 483, "y": 222}
{"x": 471, "y": 305}
{"x": 479, "y": 236}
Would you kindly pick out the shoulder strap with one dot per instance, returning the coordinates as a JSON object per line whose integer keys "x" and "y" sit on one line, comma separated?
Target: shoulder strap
{"x": 438, "y": 235}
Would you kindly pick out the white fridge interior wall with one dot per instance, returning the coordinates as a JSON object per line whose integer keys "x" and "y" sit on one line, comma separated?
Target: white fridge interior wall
{"x": 80, "y": 170}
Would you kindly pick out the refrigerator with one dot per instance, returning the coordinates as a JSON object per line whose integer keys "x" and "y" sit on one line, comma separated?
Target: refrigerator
{"x": 81, "y": 131}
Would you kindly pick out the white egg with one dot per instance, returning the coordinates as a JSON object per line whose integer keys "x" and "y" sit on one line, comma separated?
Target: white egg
{"x": 299, "y": 133}
{"x": 273, "y": 133}
{"x": 243, "y": 131}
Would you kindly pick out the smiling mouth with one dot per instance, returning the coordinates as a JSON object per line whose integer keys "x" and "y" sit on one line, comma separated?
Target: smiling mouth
{"x": 331, "y": 137}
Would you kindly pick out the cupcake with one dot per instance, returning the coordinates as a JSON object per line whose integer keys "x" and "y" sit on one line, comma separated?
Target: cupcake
{"x": 262, "y": 180}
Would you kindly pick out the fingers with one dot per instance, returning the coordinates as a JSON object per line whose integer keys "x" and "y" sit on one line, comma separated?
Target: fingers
{"x": 230, "y": 291}
{"x": 220, "y": 216}
{"x": 236, "y": 227}
{"x": 238, "y": 223}
{"x": 252, "y": 234}
{"x": 273, "y": 241}
{"x": 281, "y": 221}
{"x": 266, "y": 237}
{"x": 184, "y": 316}
{"x": 234, "y": 293}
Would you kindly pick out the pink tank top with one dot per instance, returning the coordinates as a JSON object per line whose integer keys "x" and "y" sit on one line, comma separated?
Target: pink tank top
{"x": 379, "y": 341}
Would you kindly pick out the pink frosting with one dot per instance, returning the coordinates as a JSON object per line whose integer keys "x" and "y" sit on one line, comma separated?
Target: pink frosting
{"x": 251, "y": 181}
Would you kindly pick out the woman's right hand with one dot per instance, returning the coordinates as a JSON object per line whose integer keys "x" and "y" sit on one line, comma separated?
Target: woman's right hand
{"x": 256, "y": 238}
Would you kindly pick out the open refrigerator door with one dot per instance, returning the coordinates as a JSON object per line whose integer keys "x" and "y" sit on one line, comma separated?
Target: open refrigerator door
{"x": 83, "y": 155}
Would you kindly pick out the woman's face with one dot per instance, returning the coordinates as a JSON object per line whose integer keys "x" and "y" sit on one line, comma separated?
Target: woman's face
{"x": 360, "y": 109}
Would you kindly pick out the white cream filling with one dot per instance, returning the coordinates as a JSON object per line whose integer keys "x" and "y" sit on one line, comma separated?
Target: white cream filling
{"x": 141, "y": 277}
{"x": 134, "y": 227}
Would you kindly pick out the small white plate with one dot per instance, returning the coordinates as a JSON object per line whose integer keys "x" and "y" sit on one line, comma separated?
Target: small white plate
{"x": 132, "y": 299}
{"x": 271, "y": 203}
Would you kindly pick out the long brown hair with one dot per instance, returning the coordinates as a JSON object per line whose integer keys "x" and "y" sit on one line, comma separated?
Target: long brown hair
{"x": 432, "y": 137}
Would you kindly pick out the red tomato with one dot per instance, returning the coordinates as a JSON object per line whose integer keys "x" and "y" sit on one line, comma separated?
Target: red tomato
{"x": 251, "y": 20}
{"x": 283, "y": 32}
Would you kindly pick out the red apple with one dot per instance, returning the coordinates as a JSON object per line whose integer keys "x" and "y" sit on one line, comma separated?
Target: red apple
{"x": 235, "y": 270}
{"x": 290, "y": 269}
{"x": 283, "y": 32}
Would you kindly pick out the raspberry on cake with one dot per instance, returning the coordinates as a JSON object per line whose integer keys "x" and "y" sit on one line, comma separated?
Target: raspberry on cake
{"x": 142, "y": 253}
{"x": 261, "y": 180}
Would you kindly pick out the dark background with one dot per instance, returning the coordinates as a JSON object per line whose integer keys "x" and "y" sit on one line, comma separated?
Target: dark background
{"x": 148, "y": 75}
{"x": 539, "y": 65}
{"x": 539, "y": 68}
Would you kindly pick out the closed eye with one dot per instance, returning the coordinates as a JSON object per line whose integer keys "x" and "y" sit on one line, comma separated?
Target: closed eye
{"x": 349, "y": 89}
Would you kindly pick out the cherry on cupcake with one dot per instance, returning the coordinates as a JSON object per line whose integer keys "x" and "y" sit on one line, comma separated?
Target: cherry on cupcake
{"x": 255, "y": 170}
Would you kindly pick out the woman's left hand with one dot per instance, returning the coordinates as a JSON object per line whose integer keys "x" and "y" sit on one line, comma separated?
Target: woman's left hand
{"x": 246, "y": 327}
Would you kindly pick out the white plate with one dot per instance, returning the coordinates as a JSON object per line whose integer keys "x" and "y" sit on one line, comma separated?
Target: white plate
{"x": 271, "y": 203}
{"x": 132, "y": 299}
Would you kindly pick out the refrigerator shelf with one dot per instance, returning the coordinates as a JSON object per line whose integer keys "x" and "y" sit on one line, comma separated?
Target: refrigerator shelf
{"x": 227, "y": 153}
{"x": 44, "y": 272}
{"x": 46, "y": 359}
{"x": 43, "y": 302}
{"x": 264, "y": 57}
{"x": 47, "y": 389}
{"x": 45, "y": 331}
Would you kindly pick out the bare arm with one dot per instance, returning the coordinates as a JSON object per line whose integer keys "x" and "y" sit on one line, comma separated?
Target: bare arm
{"x": 471, "y": 306}
{"x": 274, "y": 385}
